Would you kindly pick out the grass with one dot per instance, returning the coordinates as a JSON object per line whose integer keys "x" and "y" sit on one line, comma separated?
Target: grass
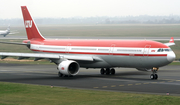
{"x": 114, "y": 30}
{"x": 23, "y": 94}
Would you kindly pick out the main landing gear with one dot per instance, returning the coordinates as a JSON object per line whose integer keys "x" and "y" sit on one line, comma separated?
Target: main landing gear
{"x": 154, "y": 75}
{"x": 107, "y": 71}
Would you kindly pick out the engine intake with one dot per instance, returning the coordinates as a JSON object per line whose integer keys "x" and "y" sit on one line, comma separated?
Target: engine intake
{"x": 68, "y": 67}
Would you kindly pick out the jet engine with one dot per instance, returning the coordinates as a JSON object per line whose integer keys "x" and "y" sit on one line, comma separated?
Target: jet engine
{"x": 68, "y": 67}
{"x": 143, "y": 69}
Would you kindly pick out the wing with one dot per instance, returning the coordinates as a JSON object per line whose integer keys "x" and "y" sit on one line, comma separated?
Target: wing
{"x": 171, "y": 42}
{"x": 45, "y": 56}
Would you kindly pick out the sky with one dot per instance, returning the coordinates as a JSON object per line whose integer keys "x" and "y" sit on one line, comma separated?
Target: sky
{"x": 88, "y": 8}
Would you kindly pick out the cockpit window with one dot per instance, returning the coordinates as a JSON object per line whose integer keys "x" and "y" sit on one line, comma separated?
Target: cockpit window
{"x": 164, "y": 50}
{"x": 160, "y": 50}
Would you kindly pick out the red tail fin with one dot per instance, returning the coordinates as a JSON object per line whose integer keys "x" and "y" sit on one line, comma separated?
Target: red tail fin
{"x": 171, "y": 40}
{"x": 31, "y": 28}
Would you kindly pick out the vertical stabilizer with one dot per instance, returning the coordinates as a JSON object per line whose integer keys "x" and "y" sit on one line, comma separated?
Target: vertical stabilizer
{"x": 31, "y": 28}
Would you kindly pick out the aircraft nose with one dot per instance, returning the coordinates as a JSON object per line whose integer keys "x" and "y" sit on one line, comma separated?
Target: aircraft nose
{"x": 171, "y": 56}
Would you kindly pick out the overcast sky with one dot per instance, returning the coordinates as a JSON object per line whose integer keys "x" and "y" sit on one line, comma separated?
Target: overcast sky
{"x": 87, "y": 8}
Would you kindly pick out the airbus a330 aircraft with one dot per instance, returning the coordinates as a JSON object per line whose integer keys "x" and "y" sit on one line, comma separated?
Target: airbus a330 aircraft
{"x": 5, "y": 32}
{"x": 69, "y": 55}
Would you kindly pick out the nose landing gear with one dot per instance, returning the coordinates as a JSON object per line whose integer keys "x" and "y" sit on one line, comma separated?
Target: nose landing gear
{"x": 154, "y": 71}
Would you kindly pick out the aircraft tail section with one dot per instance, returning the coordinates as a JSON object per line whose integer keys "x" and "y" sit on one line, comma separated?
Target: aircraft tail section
{"x": 8, "y": 28}
{"x": 31, "y": 28}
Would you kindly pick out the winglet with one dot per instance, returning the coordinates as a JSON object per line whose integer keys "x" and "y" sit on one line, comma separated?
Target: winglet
{"x": 171, "y": 42}
{"x": 31, "y": 28}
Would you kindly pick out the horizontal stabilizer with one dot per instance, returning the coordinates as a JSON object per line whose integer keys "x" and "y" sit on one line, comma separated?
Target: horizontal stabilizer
{"x": 15, "y": 43}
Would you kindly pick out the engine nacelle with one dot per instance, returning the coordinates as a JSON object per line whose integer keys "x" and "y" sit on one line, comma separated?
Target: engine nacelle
{"x": 143, "y": 69}
{"x": 68, "y": 67}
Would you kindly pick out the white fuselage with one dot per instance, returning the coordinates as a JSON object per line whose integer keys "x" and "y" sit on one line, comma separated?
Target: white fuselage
{"x": 112, "y": 56}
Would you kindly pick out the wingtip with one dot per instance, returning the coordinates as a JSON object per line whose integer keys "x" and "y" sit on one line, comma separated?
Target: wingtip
{"x": 171, "y": 40}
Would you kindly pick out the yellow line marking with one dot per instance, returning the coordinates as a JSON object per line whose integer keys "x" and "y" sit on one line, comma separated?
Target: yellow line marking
{"x": 121, "y": 85}
{"x": 146, "y": 83}
{"x": 177, "y": 80}
{"x": 96, "y": 87}
{"x": 170, "y": 81}
{"x": 162, "y": 82}
{"x": 113, "y": 86}
{"x": 130, "y": 84}
{"x": 138, "y": 84}
{"x": 153, "y": 82}
{"x": 104, "y": 87}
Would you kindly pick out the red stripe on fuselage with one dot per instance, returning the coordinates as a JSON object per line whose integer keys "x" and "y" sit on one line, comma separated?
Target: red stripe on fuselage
{"x": 91, "y": 53}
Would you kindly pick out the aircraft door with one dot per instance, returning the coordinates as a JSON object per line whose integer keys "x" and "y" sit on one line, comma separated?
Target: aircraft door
{"x": 146, "y": 50}
{"x": 68, "y": 48}
{"x": 111, "y": 49}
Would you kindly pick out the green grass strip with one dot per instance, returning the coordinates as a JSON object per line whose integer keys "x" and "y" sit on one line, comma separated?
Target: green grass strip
{"x": 24, "y": 94}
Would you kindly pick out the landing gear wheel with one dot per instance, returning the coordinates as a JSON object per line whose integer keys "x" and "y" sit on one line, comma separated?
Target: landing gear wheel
{"x": 60, "y": 74}
{"x": 154, "y": 75}
{"x": 102, "y": 71}
{"x": 112, "y": 71}
{"x": 107, "y": 71}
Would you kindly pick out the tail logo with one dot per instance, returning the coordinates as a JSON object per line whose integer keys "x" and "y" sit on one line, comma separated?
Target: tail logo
{"x": 28, "y": 23}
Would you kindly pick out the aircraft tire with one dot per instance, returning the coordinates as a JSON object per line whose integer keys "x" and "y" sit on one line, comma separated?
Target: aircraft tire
{"x": 152, "y": 76}
{"x": 155, "y": 76}
{"x": 113, "y": 71}
{"x": 107, "y": 71}
{"x": 102, "y": 71}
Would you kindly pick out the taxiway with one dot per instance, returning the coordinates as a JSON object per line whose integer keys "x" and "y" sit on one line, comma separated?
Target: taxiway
{"x": 125, "y": 79}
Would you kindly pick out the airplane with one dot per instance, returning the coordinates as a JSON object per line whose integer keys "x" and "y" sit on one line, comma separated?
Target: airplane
{"x": 5, "y": 32}
{"x": 72, "y": 54}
